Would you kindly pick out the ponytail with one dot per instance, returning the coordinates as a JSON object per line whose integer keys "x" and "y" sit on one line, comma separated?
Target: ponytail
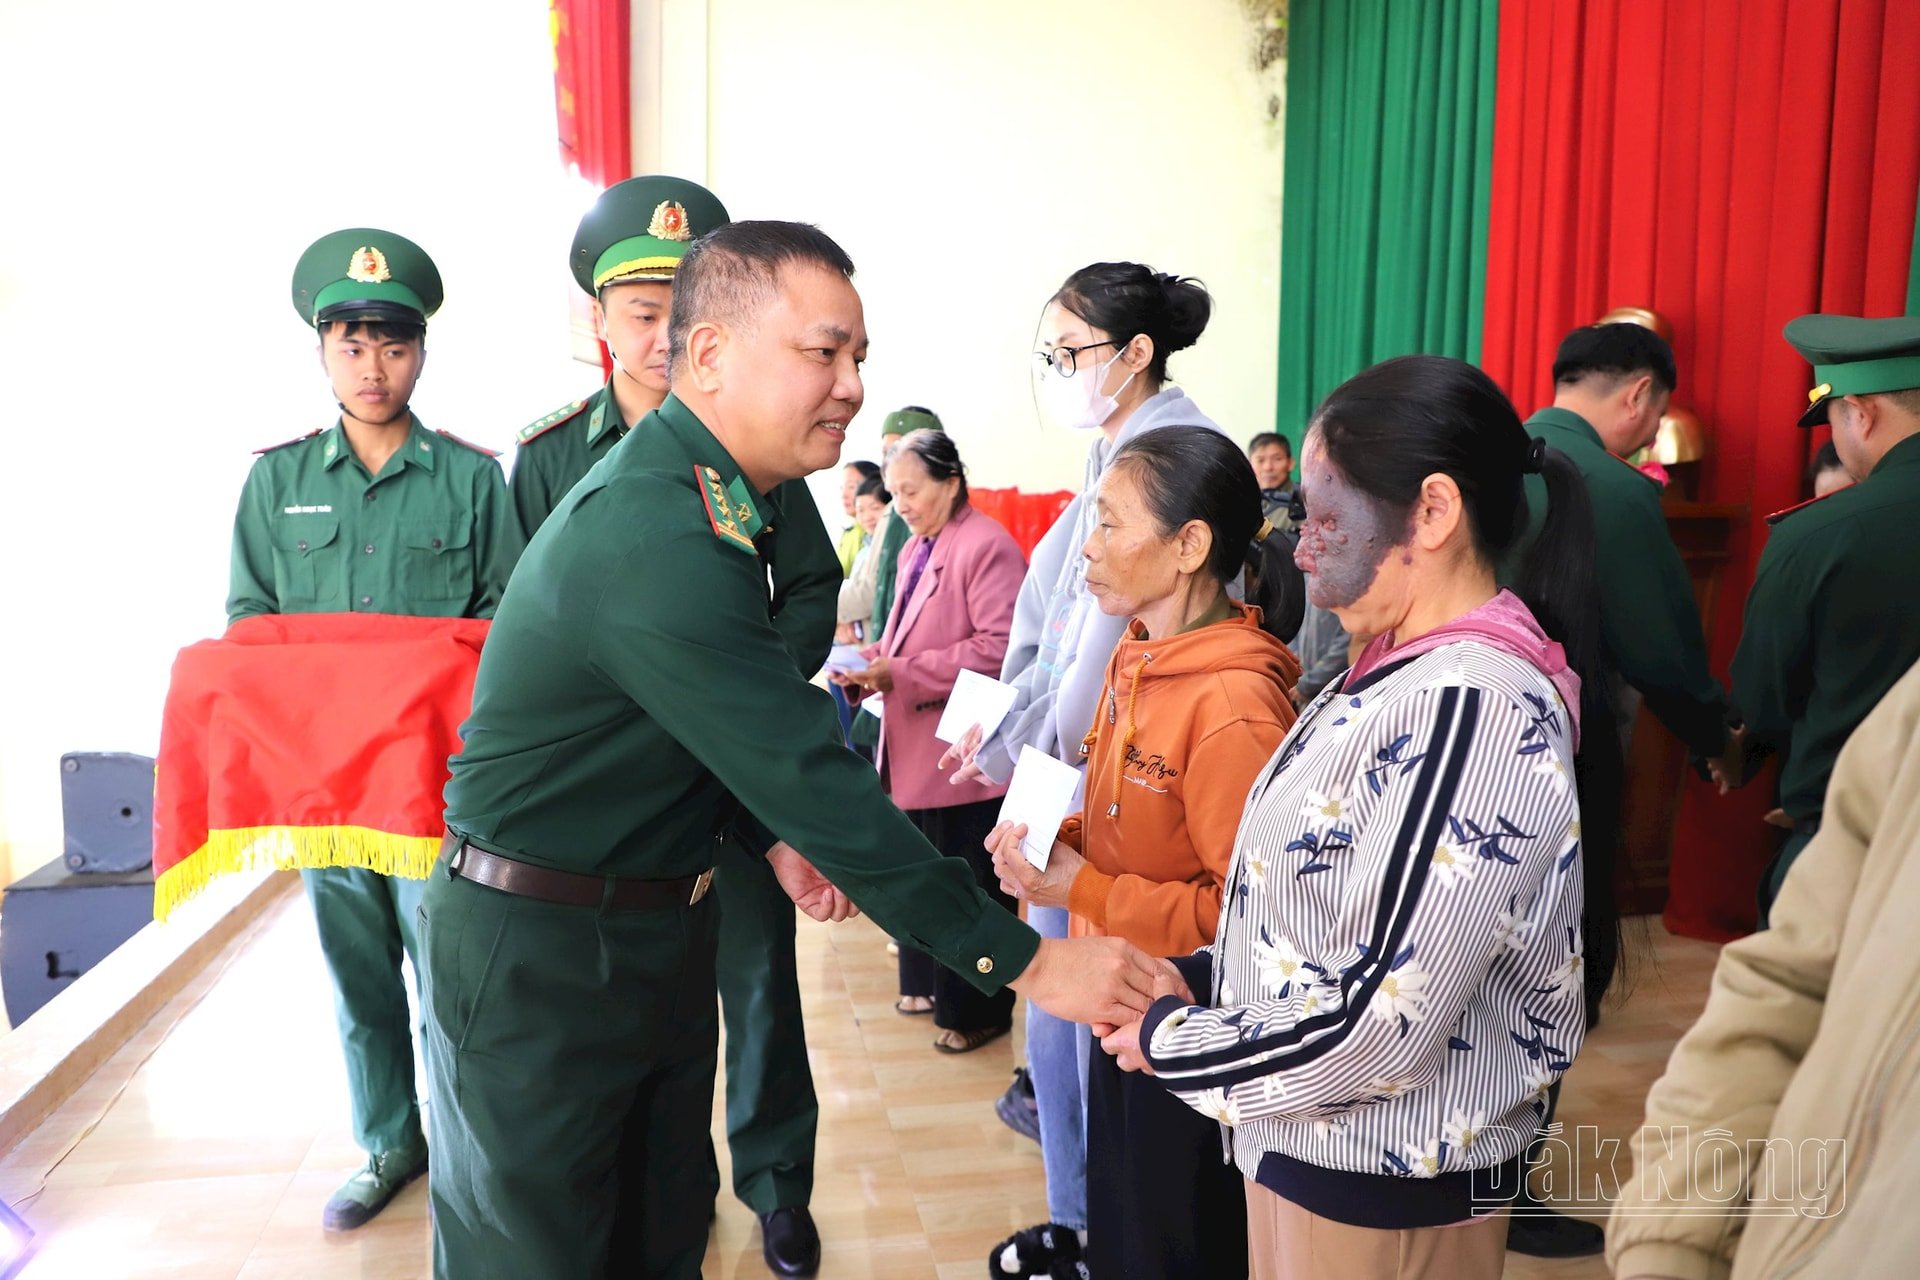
{"x": 1274, "y": 584}
{"x": 1555, "y": 581}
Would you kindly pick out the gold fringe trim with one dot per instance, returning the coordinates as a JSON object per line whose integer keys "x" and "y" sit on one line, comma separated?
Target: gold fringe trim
{"x": 292, "y": 848}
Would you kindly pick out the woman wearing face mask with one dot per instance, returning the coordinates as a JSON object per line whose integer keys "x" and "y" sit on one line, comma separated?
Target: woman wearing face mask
{"x": 1401, "y": 977}
{"x": 1196, "y": 698}
{"x": 958, "y": 574}
{"x": 1101, "y": 368}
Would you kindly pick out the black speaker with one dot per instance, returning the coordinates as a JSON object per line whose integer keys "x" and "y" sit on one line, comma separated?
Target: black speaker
{"x": 106, "y": 799}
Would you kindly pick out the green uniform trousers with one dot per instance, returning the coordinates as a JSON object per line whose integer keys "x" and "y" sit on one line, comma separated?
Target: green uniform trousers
{"x": 772, "y": 1112}
{"x": 366, "y": 922}
{"x": 581, "y": 1044}
{"x": 1776, "y": 873}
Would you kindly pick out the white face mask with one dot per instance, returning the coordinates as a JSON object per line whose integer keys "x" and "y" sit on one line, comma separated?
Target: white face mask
{"x": 1077, "y": 402}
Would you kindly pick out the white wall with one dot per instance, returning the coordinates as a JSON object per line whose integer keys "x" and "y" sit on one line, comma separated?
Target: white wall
{"x": 164, "y": 167}
{"x": 969, "y": 156}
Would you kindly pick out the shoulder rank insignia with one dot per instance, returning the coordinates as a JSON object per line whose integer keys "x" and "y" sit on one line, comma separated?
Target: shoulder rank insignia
{"x": 296, "y": 440}
{"x": 1778, "y": 516}
{"x": 477, "y": 448}
{"x": 730, "y": 510}
{"x": 540, "y": 426}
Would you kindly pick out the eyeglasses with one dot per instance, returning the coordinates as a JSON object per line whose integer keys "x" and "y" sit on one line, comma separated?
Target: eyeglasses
{"x": 1065, "y": 360}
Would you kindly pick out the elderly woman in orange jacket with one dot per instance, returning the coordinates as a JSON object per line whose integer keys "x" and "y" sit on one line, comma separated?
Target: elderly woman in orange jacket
{"x": 1197, "y": 699}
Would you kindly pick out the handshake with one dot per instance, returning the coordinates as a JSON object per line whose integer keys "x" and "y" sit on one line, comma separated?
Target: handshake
{"x": 1106, "y": 982}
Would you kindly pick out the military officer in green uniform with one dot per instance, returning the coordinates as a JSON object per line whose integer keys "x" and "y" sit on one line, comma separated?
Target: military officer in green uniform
{"x": 624, "y": 256}
{"x": 1833, "y": 619}
{"x": 633, "y": 702}
{"x": 374, "y": 514}
{"x": 1611, "y": 383}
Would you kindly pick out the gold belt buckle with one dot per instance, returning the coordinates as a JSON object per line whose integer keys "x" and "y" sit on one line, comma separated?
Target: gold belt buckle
{"x": 701, "y": 885}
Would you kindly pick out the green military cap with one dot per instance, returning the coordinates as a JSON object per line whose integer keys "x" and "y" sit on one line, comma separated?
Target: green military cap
{"x": 640, "y": 229}
{"x": 1855, "y": 356}
{"x": 911, "y": 418}
{"x": 364, "y": 273}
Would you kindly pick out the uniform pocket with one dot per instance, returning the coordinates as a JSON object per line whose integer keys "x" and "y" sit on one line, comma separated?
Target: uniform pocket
{"x": 439, "y": 557}
{"x": 306, "y": 560}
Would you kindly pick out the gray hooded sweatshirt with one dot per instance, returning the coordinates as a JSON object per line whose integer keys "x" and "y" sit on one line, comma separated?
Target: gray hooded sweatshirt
{"x": 1061, "y": 641}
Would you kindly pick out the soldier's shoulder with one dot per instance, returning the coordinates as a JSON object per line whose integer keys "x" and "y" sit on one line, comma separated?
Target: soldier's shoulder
{"x": 480, "y": 449}
{"x": 286, "y": 444}
{"x": 547, "y": 422}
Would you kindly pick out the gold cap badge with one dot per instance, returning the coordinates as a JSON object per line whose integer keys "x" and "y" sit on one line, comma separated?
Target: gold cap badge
{"x": 669, "y": 222}
{"x": 368, "y": 266}
{"x": 1820, "y": 393}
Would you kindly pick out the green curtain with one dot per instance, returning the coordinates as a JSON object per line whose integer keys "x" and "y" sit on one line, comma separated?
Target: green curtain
{"x": 1913, "y": 271}
{"x": 1388, "y": 167}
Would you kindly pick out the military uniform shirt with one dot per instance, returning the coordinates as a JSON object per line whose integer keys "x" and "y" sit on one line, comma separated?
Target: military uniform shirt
{"x": 1648, "y": 620}
{"x": 556, "y": 451}
{"x": 633, "y": 685}
{"x": 430, "y": 536}
{"x": 1832, "y": 622}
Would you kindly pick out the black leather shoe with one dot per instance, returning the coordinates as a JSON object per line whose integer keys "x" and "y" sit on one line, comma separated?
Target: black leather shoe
{"x": 792, "y": 1243}
{"x": 1543, "y": 1233}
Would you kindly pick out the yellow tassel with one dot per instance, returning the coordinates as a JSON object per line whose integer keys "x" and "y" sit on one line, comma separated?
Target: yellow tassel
{"x": 292, "y": 848}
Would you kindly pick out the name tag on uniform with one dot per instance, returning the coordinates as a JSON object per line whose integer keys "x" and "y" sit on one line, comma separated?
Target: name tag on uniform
{"x": 325, "y": 509}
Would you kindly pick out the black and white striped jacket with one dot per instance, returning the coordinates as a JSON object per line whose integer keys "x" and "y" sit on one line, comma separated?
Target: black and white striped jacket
{"x": 1397, "y": 976}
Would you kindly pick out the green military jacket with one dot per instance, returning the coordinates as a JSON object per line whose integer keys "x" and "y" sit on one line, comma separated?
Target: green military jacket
{"x": 1833, "y": 621}
{"x": 557, "y": 450}
{"x": 893, "y": 534}
{"x": 633, "y": 685}
{"x": 1649, "y": 624}
{"x": 432, "y": 535}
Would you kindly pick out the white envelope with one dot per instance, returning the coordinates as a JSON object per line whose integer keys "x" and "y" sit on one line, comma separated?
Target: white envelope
{"x": 976, "y": 699}
{"x": 845, "y": 658}
{"x": 1041, "y": 796}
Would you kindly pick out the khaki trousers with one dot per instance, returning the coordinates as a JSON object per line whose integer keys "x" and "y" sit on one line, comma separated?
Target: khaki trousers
{"x": 1285, "y": 1242}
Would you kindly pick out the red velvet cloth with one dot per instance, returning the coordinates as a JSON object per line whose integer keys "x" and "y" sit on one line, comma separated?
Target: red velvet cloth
{"x": 307, "y": 740}
{"x": 1731, "y": 164}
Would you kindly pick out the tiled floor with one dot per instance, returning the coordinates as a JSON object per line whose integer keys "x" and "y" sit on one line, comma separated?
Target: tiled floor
{"x": 207, "y": 1147}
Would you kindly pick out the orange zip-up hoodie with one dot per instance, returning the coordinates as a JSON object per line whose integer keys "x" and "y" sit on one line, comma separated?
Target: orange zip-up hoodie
{"x": 1184, "y": 724}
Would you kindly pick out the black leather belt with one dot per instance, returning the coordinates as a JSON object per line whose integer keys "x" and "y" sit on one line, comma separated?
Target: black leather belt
{"x": 523, "y": 879}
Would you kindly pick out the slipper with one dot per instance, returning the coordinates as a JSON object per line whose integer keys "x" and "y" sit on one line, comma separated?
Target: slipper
{"x": 971, "y": 1040}
{"x": 900, "y": 1006}
{"x": 1037, "y": 1251}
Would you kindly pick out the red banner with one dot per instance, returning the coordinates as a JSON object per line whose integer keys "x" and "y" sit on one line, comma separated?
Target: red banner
{"x": 310, "y": 740}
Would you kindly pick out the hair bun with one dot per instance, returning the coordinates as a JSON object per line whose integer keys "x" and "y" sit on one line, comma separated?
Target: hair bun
{"x": 1189, "y": 307}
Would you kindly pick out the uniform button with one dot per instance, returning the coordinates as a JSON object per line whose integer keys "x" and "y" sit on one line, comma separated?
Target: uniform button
{"x": 365, "y": 601}
{"x": 369, "y": 496}
{"x": 984, "y": 964}
{"x": 369, "y": 548}
{"x": 435, "y": 544}
{"x": 301, "y": 544}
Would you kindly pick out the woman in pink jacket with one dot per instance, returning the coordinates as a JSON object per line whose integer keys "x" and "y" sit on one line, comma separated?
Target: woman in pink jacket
{"x": 958, "y": 576}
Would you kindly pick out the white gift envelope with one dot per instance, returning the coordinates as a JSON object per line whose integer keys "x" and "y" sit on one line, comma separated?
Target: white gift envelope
{"x": 1041, "y": 796}
{"x": 975, "y": 700}
{"x": 846, "y": 659}
{"x": 872, "y": 705}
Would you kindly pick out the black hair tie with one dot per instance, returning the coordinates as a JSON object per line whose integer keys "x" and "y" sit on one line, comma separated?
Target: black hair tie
{"x": 1536, "y": 459}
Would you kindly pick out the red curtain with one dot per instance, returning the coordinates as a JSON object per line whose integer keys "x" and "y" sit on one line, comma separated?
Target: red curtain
{"x": 1027, "y": 516}
{"x": 592, "y": 98}
{"x": 1732, "y": 164}
{"x": 590, "y": 86}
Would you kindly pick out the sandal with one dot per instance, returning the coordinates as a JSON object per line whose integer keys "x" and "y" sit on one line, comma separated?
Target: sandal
{"x": 900, "y": 1006}
{"x": 1037, "y": 1251}
{"x": 952, "y": 1041}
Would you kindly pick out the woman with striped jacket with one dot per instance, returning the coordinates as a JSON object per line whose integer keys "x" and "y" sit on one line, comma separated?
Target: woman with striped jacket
{"x": 1398, "y": 977}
